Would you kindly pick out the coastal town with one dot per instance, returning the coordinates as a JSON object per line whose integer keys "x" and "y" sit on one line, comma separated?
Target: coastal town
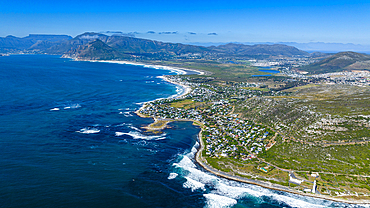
{"x": 226, "y": 134}
{"x": 233, "y": 144}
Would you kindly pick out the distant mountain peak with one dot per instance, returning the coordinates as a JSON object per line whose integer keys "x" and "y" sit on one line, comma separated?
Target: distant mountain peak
{"x": 10, "y": 36}
{"x": 96, "y": 50}
{"x": 351, "y": 55}
{"x": 90, "y": 36}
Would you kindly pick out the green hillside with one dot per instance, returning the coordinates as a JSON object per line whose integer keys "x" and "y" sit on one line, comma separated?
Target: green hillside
{"x": 342, "y": 61}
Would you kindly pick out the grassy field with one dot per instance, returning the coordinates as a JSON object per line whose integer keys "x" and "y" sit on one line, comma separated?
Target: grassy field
{"x": 250, "y": 169}
{"x": 316, "y": 113}
{"x": 257, "y": 89}
{"x": 186, "y": 104}
{"x": 228, "y": 72}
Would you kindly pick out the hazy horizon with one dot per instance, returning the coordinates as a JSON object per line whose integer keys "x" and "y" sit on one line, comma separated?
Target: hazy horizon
{"x": 307, "y": 46}
{"x": 193, "y": 21}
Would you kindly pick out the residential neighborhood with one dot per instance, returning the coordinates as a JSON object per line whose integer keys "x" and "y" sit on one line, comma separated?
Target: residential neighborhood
{"x": 225, "y": 134}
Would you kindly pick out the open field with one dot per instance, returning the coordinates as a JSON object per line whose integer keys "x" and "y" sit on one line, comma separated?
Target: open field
{"x": 228, "y": 72}
{"x": 320, "y": 114}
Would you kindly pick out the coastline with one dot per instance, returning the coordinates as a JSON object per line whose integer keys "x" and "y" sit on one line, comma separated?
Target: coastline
{"x": 163, "y": 122}
{"x": 186, "y": 88}
{"x": 198, "y": 157}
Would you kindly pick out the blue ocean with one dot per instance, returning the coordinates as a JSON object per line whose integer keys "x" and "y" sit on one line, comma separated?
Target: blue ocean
{"x": 69, "y": 137}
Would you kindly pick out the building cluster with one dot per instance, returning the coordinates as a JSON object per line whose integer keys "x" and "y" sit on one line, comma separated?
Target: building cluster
{"x": 359, "y": 78}
{"x": 224, "y": 134}
{"x": 229, "y": 136}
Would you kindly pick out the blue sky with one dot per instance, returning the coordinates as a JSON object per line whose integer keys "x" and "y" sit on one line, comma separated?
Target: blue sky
{"x": 212, "y": 21}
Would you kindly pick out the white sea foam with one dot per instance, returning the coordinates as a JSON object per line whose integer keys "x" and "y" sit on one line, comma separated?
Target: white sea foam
{"x": 54, "y": 109}
{"x": 119, "y": 133}
{"x": 180, "y": 90}
{"x": 171, "y": 69}
{"x": 235, "y": 192}
{"x": 123, "y": 124}
{"x": 138, "y": 135}
{"x": 134, "y": 128}
{"x": 73, "y": 106}
{"x": 161, "y": 138}
{"x": 126, "y": 114}
{"x": 193, "y": 184}
{"x": 185, "y": 163}
{"x": 217, "y": 201}
{"x": 294, "y": 202}
{"x": 89, "y": 131}
{"x": 172, "y": 176}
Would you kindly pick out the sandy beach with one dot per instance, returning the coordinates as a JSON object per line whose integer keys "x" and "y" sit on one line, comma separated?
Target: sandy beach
{"x": 186, "y": 88}
{"x": 170, "y": 68}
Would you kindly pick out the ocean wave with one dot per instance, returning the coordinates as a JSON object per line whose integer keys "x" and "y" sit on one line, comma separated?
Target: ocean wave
{"x": 89, "y": 131}
{"x": 65, "y": 107}
{"x": 179, "y": 91}
{"x": 134, "y": 128}
{"x": 217, "y": 201}
{"x": 193, "y": 184}
{"x": 172, "y": 176}
{"x": 138, "y": 135}
{"x": 123, "y": 124}
{"x": 126, "y": 114}
{"x": 119, "y": 133}
{"x": 72, "y": 106}
{"x": 171, "y": 69}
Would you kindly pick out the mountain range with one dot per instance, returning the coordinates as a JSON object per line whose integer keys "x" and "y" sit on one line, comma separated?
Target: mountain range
{"x": 97, "y": 46}
{"x": 125, "y": 47}
{"x": 309, "y": 47}
{"x": 12, "y": 44}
